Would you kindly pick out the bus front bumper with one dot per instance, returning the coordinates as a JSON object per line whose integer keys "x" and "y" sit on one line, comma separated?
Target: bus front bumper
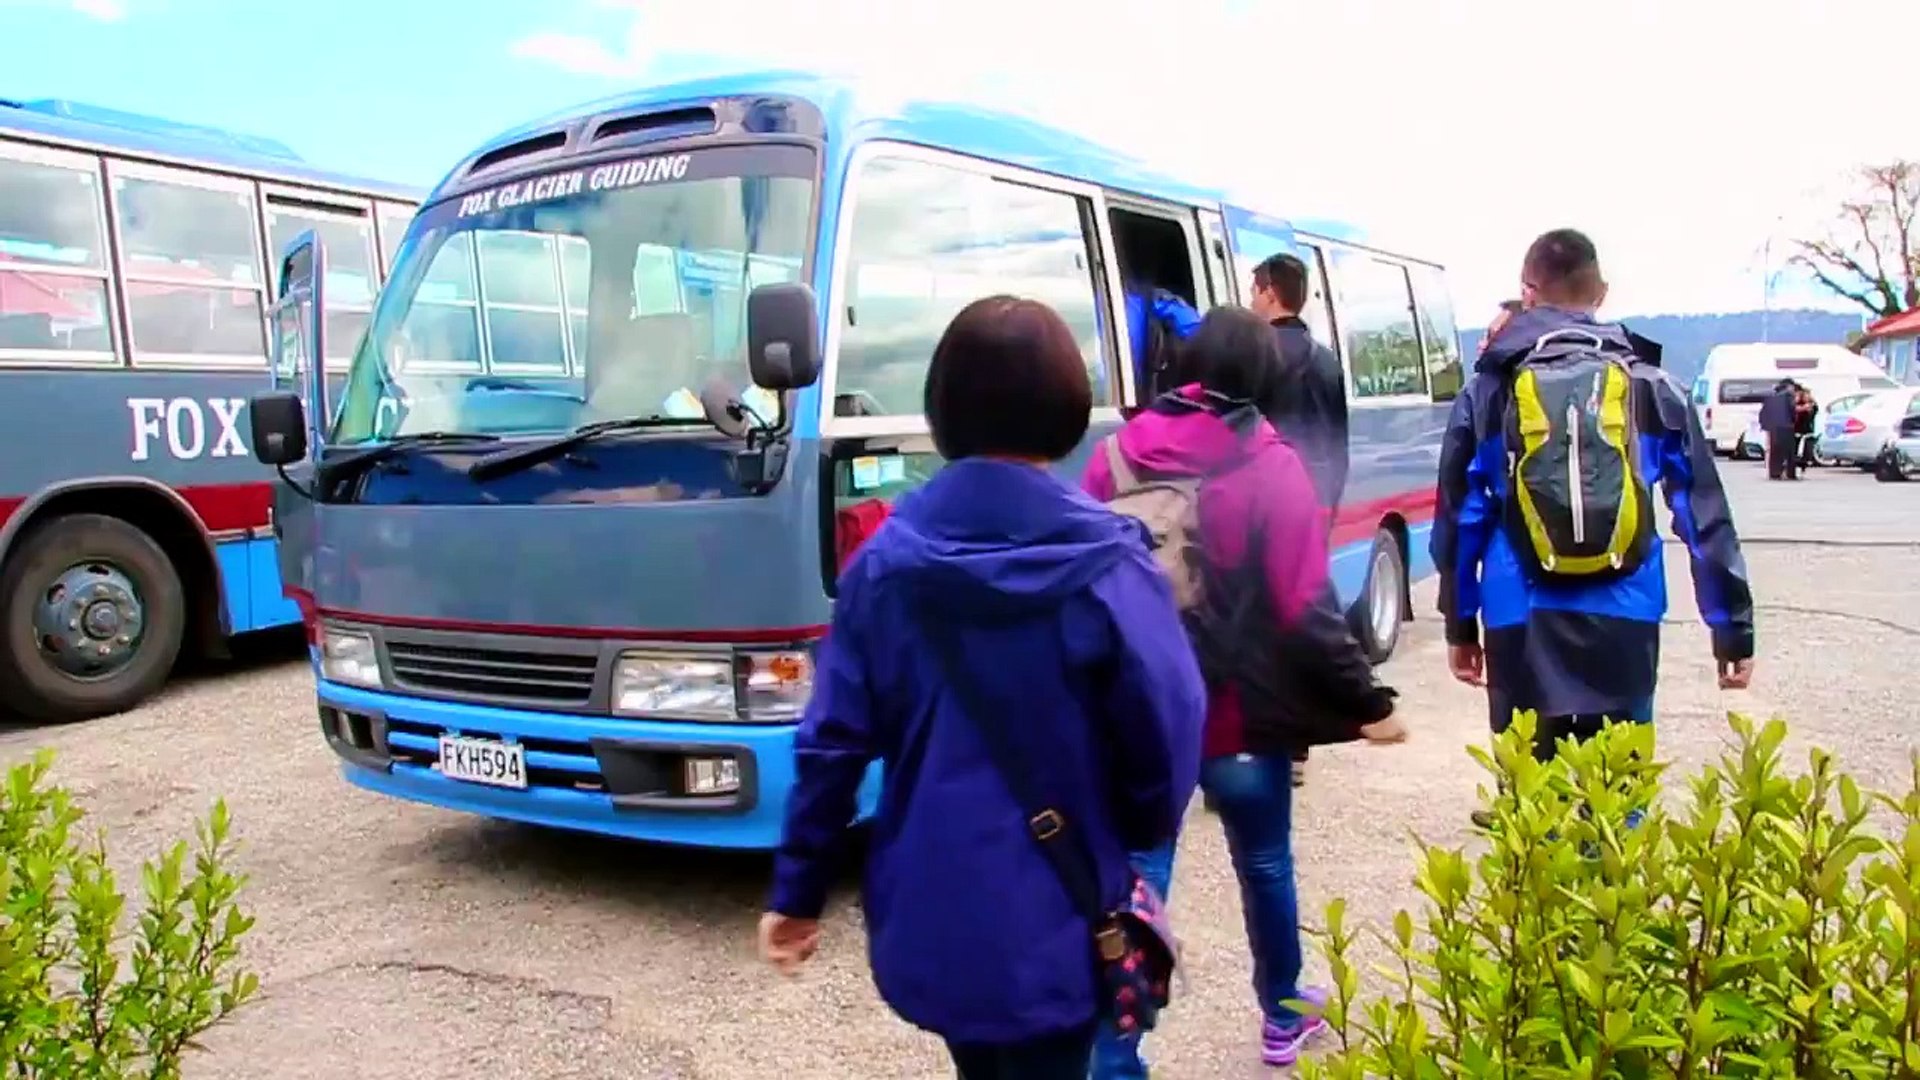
{"x": 616, "y": 776}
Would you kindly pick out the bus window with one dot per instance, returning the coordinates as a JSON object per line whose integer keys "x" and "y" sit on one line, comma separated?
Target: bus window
{"x": 441, "y": 331}
{"x": 928, "y": 239}
{"x": 1700, "y": 390}
{"x": 54, "y": 296}
{"x": 351, "y": 277}
{"x": 1439, "y": 334}
{"x": 1376, "y": 313}
{"x": 393, "y": 221}
{"x": 1746, "y": 391}
{"x": 190, "y": 256}
{"x": 522, "y": 307}
{"x": 1319, "y": 310}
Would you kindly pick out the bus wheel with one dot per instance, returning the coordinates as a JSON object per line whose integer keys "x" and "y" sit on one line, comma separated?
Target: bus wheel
{"x": 92, "y": 615}
{"x": 1382, "y": 604}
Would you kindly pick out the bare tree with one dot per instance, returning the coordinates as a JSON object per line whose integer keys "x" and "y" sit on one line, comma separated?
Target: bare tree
{"x": 1871, "y": 254}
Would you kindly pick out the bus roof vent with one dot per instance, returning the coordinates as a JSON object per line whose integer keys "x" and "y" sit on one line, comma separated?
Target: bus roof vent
{"x": 159, "y": 128}
{"x": 656, "y": 126}
{"x": 500, "y": 155}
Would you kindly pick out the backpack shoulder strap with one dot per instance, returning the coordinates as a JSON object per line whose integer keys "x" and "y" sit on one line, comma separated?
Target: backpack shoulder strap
{"x": 994, "y": 722}
{"x": 1123, "y": 478}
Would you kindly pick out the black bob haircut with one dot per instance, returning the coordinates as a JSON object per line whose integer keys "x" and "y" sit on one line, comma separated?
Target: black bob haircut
{"x": 1007, "y": 380}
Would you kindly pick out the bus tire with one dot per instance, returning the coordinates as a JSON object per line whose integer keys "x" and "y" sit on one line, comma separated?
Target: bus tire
{"x": 1382, "y": 606}
{"x": 92, "y": 617}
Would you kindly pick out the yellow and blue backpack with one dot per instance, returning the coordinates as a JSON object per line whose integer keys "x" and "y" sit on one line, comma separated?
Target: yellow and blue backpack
{"x": 1578, "y": 508}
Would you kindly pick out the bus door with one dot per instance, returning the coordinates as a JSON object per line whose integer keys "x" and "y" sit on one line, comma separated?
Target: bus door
{"x": 298, "y": 365}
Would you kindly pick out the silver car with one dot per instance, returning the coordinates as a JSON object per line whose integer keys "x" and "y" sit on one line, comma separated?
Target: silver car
{"x": 1858, "y": 437}
{"x": 1901, "y": 460}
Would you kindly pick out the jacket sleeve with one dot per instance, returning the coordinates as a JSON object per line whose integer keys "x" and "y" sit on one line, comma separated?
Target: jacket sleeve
{"x": 832, "y": 748}
{"x": 1158, "y": 705}
{"x": 1313, "y": 627}
{"x": 1703, "y": 520}
{"x": 1463, "y": 521}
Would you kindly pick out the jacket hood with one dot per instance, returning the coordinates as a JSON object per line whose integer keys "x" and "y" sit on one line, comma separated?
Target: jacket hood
{"x": 1190, "y": 432}
{"x": 1517, "y": 338}
{"x": 997, "y": 537}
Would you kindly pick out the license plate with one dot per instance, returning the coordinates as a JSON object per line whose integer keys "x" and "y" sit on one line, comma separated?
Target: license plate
{"x": 1834, "y": 431}
{"x": 483, "y": 761}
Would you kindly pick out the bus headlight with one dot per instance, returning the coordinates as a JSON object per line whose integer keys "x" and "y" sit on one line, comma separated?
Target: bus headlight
{"x": 348, "y": 656}
{"x": 696, "y": 687}
{"x": 778, "y": 684}
{"x": 757, "y": 686}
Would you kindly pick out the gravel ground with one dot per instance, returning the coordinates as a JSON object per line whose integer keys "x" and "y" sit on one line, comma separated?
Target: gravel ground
{"x": 403, "y": 942}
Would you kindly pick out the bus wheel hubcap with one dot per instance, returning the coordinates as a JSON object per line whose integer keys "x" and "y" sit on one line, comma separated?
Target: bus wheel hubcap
{"x": 89, "y": 621}
{"x": 1384, "y": 603}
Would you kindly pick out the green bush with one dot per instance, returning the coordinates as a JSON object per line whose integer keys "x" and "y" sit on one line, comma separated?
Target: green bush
{"x": 1771, "y": 928}
{"x": 75, "y": 1001}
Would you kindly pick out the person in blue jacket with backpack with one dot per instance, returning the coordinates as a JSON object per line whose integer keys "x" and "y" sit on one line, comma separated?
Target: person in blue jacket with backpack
{"x": 1157, "y": 320}
{"x": 1552, "y": 580}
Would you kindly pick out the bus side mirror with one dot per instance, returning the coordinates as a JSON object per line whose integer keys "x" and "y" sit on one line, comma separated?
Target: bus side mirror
{"x": 278, "y": 423}
{"x": 298, "y": 320}
{"x": 783, "y": 334}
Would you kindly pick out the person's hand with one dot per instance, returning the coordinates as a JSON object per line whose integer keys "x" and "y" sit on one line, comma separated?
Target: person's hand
{"x": 1736, "y": 674}
{"x": 787, "y": 942}
{"x": 1385, "y": 732}
{"x": 1468, "y": 664}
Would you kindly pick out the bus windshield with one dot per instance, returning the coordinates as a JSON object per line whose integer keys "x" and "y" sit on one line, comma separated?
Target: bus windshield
{"x": 595, "y": 292}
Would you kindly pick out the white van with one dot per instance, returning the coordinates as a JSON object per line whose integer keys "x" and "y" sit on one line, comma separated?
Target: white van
{"x": 1738, "y": 378}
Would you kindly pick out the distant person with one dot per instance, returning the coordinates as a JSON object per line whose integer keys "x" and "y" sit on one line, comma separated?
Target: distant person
{"x": 1805, "y": 410}
{"x": 1568, "y": 582}
{"x": 1778, "y": 420}
{"x": 1050, "y": 600}
{"x": 1284, "y": 671}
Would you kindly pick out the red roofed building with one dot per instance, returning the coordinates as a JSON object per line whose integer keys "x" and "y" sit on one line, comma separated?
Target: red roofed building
{"x": 1894, "y": 344}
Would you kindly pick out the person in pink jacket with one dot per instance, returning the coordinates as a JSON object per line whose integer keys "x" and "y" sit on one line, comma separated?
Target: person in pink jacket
{"x": 1284, "y": 672}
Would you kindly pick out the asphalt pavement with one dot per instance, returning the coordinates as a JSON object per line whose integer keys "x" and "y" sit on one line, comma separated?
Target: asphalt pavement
{"x": 399, "y": 941}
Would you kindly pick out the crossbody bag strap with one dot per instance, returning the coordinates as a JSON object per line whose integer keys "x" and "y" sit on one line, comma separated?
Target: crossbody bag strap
{"x": 1123, "y": 478}
{"x": 1058, "y": 837}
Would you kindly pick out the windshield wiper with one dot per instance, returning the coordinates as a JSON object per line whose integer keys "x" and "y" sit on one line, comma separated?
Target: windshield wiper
{"x": 349, "y": 465}
{"x": 525, "y": 457}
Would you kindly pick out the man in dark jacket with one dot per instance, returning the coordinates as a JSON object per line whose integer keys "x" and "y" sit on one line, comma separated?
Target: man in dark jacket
{"x": 1309, "y": 404}
{"x": 1777, "y": 421}
{"x": 1582, "y": 653}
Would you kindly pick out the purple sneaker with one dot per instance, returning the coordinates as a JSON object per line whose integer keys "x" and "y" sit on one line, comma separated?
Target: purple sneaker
{"x": 1282, "y": 1041}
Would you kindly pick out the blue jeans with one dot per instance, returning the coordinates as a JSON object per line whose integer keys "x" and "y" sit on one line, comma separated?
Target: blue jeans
{"x": 1253, "y": 796}
{"x": 1050, "y": 1057}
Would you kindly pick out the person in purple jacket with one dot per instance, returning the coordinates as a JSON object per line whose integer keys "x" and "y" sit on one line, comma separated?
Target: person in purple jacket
{"x": 972, "y": 935}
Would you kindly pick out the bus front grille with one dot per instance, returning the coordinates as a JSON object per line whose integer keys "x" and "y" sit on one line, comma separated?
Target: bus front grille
{"x": 545, "y": 678}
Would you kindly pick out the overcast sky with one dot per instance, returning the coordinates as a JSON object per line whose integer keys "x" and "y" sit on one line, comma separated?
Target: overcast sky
{"x": 1680, "y": 133}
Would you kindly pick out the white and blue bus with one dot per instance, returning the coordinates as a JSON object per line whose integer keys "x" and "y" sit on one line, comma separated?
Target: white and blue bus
{"x": 572, "y": 535}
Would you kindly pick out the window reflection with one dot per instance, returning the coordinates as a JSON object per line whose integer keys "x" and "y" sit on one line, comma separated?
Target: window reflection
{"x": 192, "y": 264}
{"x": 928, "y": 240}
{"x": 1376, "y": 311}
{"x": 53, "y": 279}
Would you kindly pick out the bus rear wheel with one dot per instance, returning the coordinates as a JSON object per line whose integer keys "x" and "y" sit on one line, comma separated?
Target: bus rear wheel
{"x": 92, "y": 617}
{"x": 1382, "y": 606}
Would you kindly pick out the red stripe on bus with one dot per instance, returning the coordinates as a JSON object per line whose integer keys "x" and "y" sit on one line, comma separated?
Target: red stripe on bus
{"x": 761, "y": 636}
{"x": 221, "y": 507}
{"x": 1357, "y": 522}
